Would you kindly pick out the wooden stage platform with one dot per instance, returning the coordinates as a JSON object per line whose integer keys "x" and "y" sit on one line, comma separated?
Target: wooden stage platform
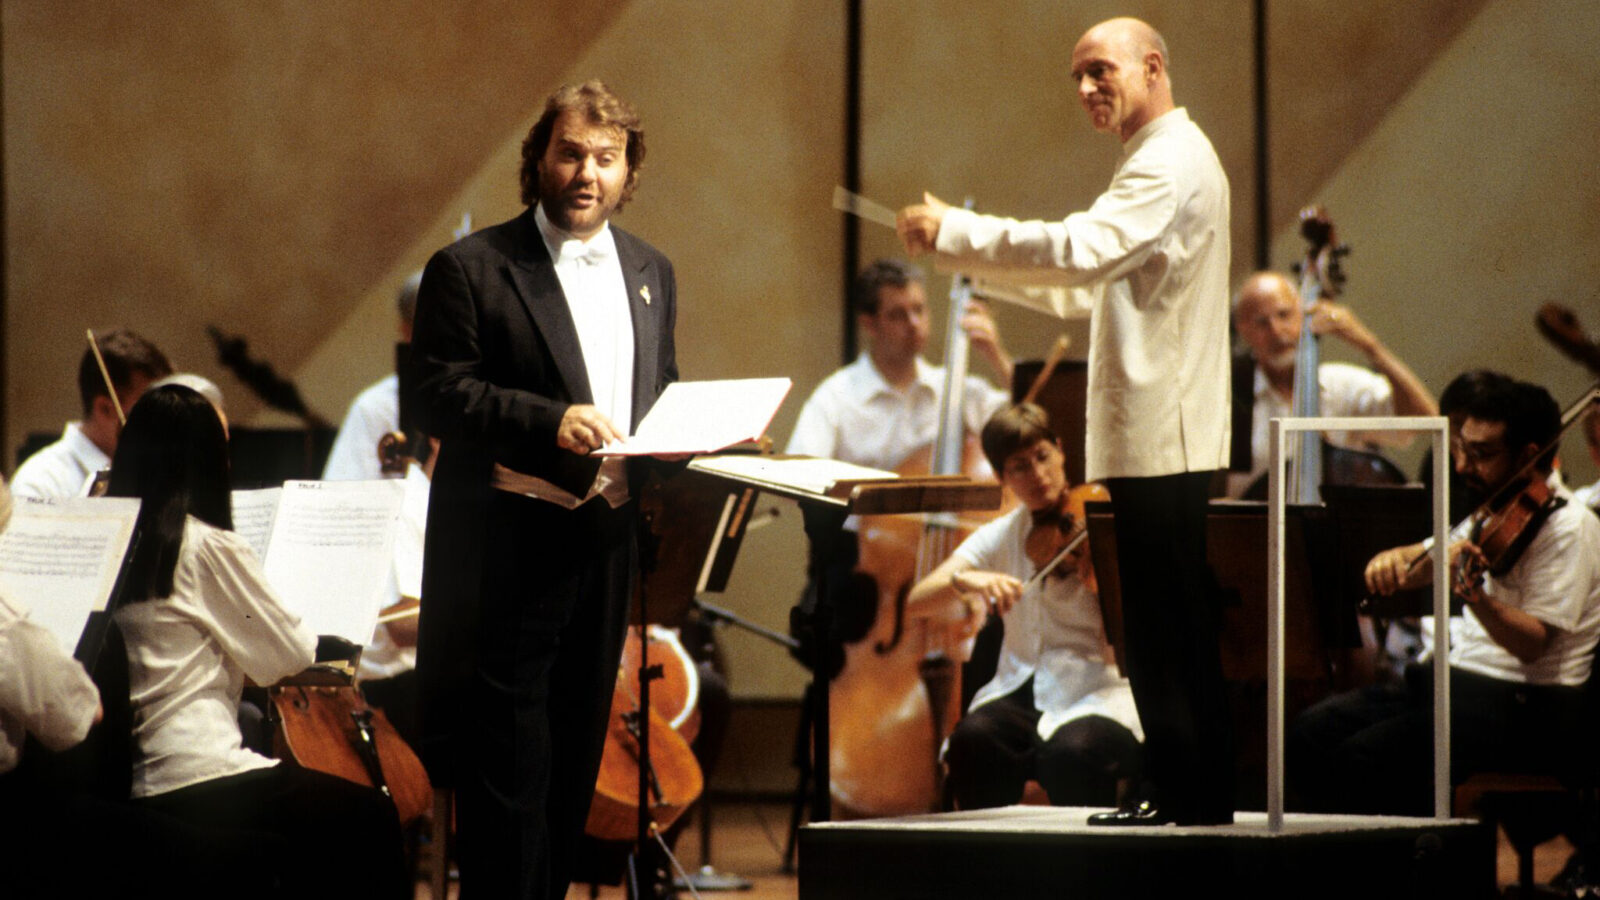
{"x": 1024, "y": 852}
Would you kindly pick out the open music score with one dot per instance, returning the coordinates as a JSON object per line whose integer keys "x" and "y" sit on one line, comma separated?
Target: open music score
{"x": 704, "y": 417}
{"x": 326, "y": 547}
{"x": 861, "y": 490}
{"x": 61, "y": 557}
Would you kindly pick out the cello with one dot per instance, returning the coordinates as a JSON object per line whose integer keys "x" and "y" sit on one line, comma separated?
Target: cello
{"x": 674, "y": 776}
{"x": 897, "y": 696}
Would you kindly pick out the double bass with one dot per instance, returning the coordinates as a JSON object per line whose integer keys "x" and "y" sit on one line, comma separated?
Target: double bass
{"x": 898, "y": 694}
{"x": 1318, "y": 461}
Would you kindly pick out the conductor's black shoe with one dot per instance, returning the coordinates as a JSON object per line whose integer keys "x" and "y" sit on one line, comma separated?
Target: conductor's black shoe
{"x": 1144, "y": 813}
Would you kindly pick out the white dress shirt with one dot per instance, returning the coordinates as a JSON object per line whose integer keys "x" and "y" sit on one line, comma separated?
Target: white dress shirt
{"x": 855, "y": 416}
{"x": 1149, "y": 259}
{"x": 1346, "y": 391}
{"x": 62, "y": 469}
{"x": 374, "y": 413}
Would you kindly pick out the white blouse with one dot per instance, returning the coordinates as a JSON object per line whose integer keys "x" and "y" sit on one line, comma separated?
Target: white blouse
{"x": 188, "y": 655}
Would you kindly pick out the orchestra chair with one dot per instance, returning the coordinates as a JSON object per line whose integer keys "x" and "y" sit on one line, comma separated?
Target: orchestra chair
{"x": 1533, "y": 808}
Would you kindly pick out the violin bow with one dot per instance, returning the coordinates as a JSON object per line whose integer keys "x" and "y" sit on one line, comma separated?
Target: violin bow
{"x": 1047, "y": 568}
{"x": 111, "y": 389}
{"x": 1057, "y": 353}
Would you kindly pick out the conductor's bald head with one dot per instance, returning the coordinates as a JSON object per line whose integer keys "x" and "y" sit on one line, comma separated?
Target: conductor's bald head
{"x": 1120, "y": 70}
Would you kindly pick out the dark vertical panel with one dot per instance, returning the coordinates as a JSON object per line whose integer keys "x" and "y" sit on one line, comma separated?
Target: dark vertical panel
{"x": 1263, "y": 156}
{"x": 4, "y": 252}
{"x": 852, "y": 166}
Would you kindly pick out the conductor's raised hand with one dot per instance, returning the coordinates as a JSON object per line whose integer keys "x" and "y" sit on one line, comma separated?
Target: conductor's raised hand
{"x": 584, "y": 429}
{"x": 918, "y": 224}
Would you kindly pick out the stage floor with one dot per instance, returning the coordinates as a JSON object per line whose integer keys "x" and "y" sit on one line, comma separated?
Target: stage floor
{"x": 1038, "y": 852}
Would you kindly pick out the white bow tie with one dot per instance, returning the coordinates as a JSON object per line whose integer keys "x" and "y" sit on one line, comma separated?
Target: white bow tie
{"x": 593, "y": 253}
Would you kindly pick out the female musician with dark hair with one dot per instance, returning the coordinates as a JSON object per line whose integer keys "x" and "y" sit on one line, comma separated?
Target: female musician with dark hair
{"x": 199, "y": 617}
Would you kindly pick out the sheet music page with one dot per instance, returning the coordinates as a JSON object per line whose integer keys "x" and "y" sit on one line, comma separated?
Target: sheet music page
{"x": 812, "y": 474}
{"x": 253, "y": 512}
{"x": 330, "y": 553}
{"x": 704, "y": 417}
{"x": 61, "y": 558}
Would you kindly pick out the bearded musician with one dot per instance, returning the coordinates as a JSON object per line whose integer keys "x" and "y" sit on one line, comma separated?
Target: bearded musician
{"x": 1519, "y": 656}
{"x": 1056, "y": 710}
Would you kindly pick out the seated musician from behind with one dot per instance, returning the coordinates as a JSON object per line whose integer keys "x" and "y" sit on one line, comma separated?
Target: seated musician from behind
{"x": 1267, "y": 314}
{"x": 1518, "y": 658}
{"x": 199, "y": 617}
{"x": 1056, "y": 711}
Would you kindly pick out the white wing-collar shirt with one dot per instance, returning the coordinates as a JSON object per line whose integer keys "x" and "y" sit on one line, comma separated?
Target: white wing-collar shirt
{"x": 597, "y": 297}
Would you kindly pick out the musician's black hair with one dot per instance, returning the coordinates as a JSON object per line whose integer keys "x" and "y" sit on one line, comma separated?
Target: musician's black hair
{"x": 1013, "y": 428}
{"x": 1469, "y": 384}
{"x": 126, "y": 355}
{"x": 1531, "y": 415}
{"x": 878, "y": 274}
{"x": 172, "y": 456}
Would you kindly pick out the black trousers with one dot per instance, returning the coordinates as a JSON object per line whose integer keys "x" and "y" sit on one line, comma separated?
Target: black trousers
{"x": 996, "y": 748}
{"x": 1171, "y": 622}
{"x": 554, "y": 606}
{"x": 314, "y": 834}
{"x": 1371, "y": 750}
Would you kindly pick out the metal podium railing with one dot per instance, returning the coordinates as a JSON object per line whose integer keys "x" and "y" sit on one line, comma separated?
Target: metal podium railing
{"x": 1279, "y": 431}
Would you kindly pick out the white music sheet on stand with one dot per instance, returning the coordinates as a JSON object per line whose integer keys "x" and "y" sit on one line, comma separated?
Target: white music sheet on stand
{"x": 329, "y": 551}
{"x": 61, "y": 557}
{"x": 704, "y": 417}
{"x": 253, "y": 512}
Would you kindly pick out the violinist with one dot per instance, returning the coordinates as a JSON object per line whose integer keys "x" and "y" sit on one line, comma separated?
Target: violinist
{"x": 1268, "y": 316}
{"x": 1519, "y": 656}
{"x": 199, "y": 618}
{"x": 1056, "y": 710}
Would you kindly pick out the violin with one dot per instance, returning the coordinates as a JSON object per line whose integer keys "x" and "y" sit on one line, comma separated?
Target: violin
{"x": 1059, "y": 530}
{"x": 1501, "y": 533}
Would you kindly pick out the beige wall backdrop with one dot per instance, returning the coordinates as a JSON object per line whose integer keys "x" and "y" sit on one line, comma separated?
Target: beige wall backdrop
{"x": 277, "y": 169}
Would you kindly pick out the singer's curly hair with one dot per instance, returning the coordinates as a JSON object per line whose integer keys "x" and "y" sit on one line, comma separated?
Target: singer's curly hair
{"x": 601, "y": 107}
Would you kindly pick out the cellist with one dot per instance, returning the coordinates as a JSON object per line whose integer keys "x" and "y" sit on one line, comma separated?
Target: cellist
{"x": 1519, "y": 656}
{"x": 198, "y": 618}
{"x": 883, "y": 408}
{"x": 1057, "y": 711}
